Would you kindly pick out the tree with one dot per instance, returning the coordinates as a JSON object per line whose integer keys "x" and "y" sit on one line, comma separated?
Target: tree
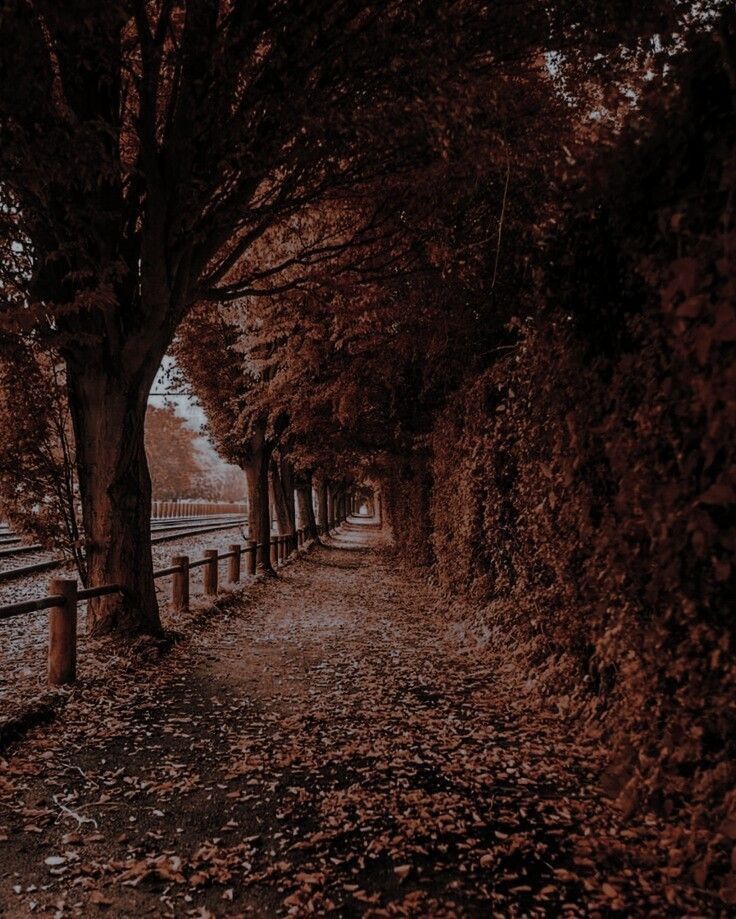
{"x": 160, "y": 154}
{"x": 146, "y": 148}
{"x": 282, "y": 490}
{"x": 343, "y": 367}
{"x": 306, "y": 518}
{"x": 172, "y": 454}
{"x": 223, "y": 387}
{"x": 38, "y": 488}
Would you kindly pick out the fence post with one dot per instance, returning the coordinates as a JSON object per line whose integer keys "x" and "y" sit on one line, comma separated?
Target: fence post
{"x": 210, "y": 572}
{"x": 233, "y": 568}
{"x": 252, "y": 556}
{"x": 180, "y": 583}
{"x": 62, "y": 665}
{"x": 274, "y": 551}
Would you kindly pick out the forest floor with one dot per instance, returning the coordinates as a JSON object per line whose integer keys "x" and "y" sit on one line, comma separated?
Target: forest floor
{"x": 321, "y": 743}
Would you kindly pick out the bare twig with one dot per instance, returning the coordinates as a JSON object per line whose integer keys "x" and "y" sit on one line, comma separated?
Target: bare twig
{"x": 80, "y": 818}
{"x": 501, "y": 219}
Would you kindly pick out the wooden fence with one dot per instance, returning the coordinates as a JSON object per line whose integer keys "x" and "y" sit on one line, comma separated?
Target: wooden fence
{"x": 64, "y": 595}
{"x": 161, "y": 510}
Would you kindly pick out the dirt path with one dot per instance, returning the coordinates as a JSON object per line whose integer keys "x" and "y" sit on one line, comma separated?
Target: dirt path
{"x": 320, "y": 744}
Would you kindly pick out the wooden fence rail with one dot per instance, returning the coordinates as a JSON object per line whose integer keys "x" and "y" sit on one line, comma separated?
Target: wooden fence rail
{"x": 161, "y": 510}
{"x": 64, "y": 595}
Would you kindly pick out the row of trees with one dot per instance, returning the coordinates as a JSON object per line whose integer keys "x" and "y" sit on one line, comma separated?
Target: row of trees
{"x": 152, "y": 149}
{"x": 334, "y": 206}
{"x": 158, "y": 155}
{"x": 536, "y": 360}
{"x": 478, "y": 254}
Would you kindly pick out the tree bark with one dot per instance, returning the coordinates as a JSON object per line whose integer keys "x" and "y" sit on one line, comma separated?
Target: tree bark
{"x": 322, "y": 505}
{"x": 286, "y": 474}
{"x": 108, "y": 412}
{"x": 249, "y": 485}
{"x": 335, "y": 508}
{"x": 305, "y": 507}
{"x": 256, "y": 471}
{"x": 283, "y": 497}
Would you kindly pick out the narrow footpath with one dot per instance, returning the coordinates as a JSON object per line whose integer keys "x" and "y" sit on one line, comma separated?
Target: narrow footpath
{"x": 319, "y": 744}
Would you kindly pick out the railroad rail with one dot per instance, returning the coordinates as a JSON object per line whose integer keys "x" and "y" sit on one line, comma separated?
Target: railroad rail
{"x": 64, "y": 595}
{"x": 167, "y": 531}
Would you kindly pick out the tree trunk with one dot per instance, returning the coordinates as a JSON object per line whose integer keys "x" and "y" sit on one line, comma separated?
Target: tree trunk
{"x": 286, "y": 474}
{"x": 300, "y": 494}
{"x": 283, "y": 497}
{"x": 108, "y": 412}
{"x": 334, "y": 509}
{"x": 305, "y": 506}
{"x": 256, "y": 471}
{"x": 322, "y": 505}
{"x": 248, "y": 500}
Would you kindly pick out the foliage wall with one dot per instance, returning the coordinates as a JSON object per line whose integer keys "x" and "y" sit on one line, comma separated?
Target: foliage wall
{"x": 407, "y": 504}
{"x": 583, "y": 488}
{"x": 588, "y": 510}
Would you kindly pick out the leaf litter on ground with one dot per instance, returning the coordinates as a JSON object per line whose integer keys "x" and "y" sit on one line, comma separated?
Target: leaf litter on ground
{"x": 320, "y": 744}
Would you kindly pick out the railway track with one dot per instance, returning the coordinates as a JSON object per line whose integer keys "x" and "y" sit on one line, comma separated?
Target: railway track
{"x": 167, "y": 529}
